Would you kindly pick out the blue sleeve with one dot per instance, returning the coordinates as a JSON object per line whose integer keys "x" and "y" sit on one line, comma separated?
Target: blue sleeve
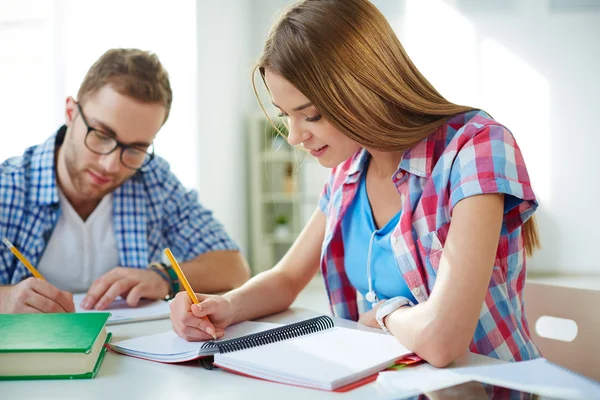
{"x": 189, "y": 228}
{"x": 11, "y": 208}
{"x": 324, "y": 198}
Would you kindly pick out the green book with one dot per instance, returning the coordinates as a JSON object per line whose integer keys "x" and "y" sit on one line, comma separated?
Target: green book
{"x": 52, "y": 346}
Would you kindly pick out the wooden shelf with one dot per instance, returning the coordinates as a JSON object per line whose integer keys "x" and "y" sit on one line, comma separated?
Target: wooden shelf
{"x": 281, "y": 240}
{"x": 277, "y": 156}
{"x": 280, "y": 197}
{"x": 268, "y": 178}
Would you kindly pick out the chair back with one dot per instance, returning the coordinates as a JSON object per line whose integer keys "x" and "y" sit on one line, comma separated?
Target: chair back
{"x": 582, "y": 354}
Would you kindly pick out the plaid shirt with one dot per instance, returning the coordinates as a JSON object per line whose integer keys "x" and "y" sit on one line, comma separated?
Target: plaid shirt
{"x": 151, "y": 210}
{"x": 469, "y": 155}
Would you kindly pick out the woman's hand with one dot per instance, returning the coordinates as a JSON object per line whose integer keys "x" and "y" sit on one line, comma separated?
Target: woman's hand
{"x": 368, "y": 318}
{"x": 188, "y": 319}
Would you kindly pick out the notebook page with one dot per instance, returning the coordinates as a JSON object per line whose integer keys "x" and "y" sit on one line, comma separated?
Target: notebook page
{"x": 327, "y": 360}
{"x": 121, "y": 312}
{"x": 169, "y": 347}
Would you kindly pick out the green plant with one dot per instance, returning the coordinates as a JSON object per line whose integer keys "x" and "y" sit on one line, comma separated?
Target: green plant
{"x": 281, "y": 220}
{"x": 278, "y": 130}
{"x": 277, "y": 135}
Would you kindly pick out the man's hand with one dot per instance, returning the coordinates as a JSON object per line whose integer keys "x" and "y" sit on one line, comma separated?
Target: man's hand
{"x": 130, "y": 283}
{"x": 34, "y": 295}
{"x": 368, "y": 318}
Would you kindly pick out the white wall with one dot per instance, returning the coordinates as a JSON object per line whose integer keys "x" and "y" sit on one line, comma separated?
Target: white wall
{"x": 223, "y": 100}
{"x": 27, "y": 74}
{"x": 535, "y": 69}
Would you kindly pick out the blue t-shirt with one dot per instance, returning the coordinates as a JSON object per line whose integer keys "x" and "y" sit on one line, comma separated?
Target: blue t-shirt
{"x": 358, "y": 226}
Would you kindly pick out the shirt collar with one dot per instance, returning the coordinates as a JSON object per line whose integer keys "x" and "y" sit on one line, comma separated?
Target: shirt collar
{"x": 414, "y": 160}
{"x": 418, "y": 160}
{"x": 357, "y": 163}
{"x": 44, "y": 189}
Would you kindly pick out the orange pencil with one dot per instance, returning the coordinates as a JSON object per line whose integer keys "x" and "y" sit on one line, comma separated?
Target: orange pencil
{"x": 184, "y": 282}
{"x": 22, "y": 258}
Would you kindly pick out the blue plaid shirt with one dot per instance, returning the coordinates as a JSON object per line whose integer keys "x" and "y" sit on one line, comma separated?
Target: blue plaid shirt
{"x": 151, "y": 211}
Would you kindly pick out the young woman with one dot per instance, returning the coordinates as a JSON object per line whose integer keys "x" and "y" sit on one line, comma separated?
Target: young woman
{"x": 426, "y": 213}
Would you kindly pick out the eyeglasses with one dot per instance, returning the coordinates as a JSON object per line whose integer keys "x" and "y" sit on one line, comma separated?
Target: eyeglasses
{"x": 132, "y": 156}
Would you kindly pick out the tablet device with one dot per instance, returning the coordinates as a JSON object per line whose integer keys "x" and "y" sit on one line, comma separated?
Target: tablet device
{"x": 476, "y": 390}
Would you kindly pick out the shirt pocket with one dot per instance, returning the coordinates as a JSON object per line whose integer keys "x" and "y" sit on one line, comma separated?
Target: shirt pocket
{"x": 431, "y": 247}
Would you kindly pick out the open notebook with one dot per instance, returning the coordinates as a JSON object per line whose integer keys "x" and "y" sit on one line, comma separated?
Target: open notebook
{"x": 168, "y": 347}
{"x": 311, "y": 353}
{"x": 120, "y": 312}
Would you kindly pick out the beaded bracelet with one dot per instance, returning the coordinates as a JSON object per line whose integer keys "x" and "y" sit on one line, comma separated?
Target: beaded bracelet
{"x": 162, "y": 271}
{"x": 174, "y": 278}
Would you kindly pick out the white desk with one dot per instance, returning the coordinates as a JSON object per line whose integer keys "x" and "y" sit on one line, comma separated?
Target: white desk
{"x": 122, "y": 377}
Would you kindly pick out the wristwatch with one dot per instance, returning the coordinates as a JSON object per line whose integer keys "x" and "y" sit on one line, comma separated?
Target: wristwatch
{"x": 388, "y": 307}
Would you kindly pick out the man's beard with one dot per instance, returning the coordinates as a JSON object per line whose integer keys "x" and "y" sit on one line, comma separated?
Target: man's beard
{"x": 81, "y": 182}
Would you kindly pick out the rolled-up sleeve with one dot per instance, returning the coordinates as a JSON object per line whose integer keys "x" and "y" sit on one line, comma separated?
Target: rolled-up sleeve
{"x": 491, "y": 162}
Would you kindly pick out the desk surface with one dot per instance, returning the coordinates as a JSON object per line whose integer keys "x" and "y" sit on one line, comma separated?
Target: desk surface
{"x": 122, "y": 377}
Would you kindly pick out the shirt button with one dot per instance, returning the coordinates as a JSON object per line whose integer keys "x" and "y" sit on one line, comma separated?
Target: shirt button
{"x": 394, "y": 240}
{"x": 416, "y": 291}
{"x": 399, "y": 175}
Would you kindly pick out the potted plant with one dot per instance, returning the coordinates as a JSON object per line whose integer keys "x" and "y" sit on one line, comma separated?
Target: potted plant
{"x": 278, "y": 141}
{"x": 282, "y": 227}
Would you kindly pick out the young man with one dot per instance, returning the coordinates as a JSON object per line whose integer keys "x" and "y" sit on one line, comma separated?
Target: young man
{"x": 94, "y": 208}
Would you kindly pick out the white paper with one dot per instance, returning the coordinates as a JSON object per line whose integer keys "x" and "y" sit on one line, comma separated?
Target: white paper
{"x": 423, "y": 379}
{"x": 169, "y": 347}
{"x": 121, "y": 312}
{"x": 326, "y": 360}
{"x": 537, "y": 376}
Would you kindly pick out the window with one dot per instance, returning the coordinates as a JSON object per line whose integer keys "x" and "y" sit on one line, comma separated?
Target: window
{"x": 46, "y": 47}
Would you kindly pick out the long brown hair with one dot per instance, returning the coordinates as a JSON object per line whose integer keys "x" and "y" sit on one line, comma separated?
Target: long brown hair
{"x": 346, "y": 59}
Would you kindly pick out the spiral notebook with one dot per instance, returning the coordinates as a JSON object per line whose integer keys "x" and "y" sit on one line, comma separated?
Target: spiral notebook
{"x": 312, "y": 353}
{"x": 168, "y": 347}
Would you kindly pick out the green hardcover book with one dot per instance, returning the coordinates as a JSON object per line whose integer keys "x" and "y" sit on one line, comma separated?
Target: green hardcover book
{"x": 52, "y": 346}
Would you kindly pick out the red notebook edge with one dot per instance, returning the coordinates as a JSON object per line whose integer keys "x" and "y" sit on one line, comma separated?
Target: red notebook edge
{"x": 342, "y": 389}
{"x": 346, "y": 388}
{"x": 407, "y": 359}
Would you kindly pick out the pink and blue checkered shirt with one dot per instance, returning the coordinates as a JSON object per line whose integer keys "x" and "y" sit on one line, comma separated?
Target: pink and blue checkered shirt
{"x": 470, "y": 154}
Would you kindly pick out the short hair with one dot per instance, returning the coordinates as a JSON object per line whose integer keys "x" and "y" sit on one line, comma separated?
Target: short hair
{"x": 131, "y": 72}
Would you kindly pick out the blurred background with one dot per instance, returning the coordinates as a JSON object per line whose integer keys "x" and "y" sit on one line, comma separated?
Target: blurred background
{"x": 533, "y": 65}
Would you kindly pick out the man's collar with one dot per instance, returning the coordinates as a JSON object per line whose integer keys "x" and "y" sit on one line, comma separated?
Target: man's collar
{"x": 43, "y": 180}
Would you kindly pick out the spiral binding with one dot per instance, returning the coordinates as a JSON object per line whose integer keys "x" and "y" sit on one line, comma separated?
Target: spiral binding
{"x": 278, "y": 334}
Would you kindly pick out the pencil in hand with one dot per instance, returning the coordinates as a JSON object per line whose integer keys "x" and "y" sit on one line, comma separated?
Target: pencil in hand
{"x": 22, "y": 258}
{"x": 187, "y": 286}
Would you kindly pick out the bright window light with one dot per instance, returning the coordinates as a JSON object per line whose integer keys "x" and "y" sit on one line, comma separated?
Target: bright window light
{"x": 46, "y": 47}
{"x": 519, "y": 97}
